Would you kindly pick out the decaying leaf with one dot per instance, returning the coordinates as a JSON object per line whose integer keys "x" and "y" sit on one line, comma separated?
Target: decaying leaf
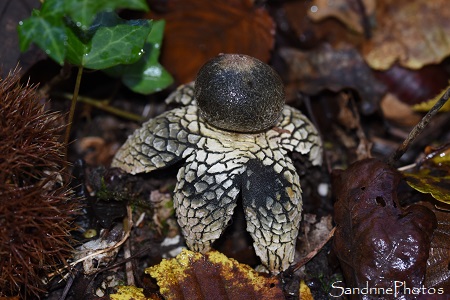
{"x": 91, "y": 253}
{"x": 377, "y": 241}
{"x": 305, "y": 292}
{"x": 97, "y": 150}
{"x": 130, "y": 293}
{"x": 349, "y": 12}
{"x": 438, "y": 272}
{"x": 398, "y": 112}
{"x": 427, "y": 105}
{"x": 313, "y": 232}
{"x": 433, "y": 175}
{"x": 198, "y": 30}
{"x": 192, "y": 275}
{"x": 413, "y": 32}
{"x": 333, "y": 69}
{"x": 425, "y": 182}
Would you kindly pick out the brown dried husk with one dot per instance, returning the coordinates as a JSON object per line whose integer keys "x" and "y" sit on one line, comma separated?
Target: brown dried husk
{"x": 36, "y": 207}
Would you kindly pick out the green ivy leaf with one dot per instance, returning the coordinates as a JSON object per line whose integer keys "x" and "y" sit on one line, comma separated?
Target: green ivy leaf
{"x": 83, "y": 11}
{"x": 110, "y": 41}
{"x": 120, "y": 44}
{"x": 59, "y": 28}
{"x": 76, "y": 49}
{"x": 48, "y": 33}
{"x": 54, "y": 8}
{"x": 146, "y": 75}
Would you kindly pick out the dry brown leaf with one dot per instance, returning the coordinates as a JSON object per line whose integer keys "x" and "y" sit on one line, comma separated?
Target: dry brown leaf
{"x": 414, "y": 86}
{"x": 96, "y": 150}
{"x": 349, "y": 12}
{"x": 310, "y": 34}
{"x": 333, "y": 69}
{"x": 413, "y": 32}
{"x": 398, "y": 112}
{"x": 192, "y": 275}
{"x": 198, "y": 30}
{"x": 314, "y": 232}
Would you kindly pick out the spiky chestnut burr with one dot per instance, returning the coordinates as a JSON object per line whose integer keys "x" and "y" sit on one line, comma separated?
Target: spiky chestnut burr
{"x": 36, "y": 210}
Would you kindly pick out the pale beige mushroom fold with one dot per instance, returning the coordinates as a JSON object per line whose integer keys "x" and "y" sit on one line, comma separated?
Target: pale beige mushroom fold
{"x": 221, "y": 163}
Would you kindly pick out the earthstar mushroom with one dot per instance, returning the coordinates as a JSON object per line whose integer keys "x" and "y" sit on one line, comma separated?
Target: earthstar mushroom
{"x": 235, "y": 135}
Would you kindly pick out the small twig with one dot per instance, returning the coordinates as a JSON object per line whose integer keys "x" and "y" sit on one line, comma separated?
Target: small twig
{"x": 129, "y": 263}
{"x": 69, "y": 283}
{"x": 418, "y": 129}
{"x": 407, "y": 167}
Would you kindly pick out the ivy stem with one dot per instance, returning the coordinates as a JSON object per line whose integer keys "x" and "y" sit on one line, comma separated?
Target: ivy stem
{"x": 72, "y": 111}
{"x": 105, "y": 106}
{"x": 418, "y": 128}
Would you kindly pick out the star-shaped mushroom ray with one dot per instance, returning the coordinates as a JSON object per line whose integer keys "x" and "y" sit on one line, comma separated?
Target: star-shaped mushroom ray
{"x": 205, "y": 196}
{"x": 219, "y": 164}
{"x": 160, "y": 142}
{"x": 272, "y": 203}
{"x": 299, "y": 135}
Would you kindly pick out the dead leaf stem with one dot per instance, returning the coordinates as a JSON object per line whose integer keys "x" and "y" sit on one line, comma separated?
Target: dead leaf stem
{"x": 418, "y": 129}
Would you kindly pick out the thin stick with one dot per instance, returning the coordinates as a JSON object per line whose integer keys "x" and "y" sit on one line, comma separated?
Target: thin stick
{"x": 418, "y": 128}
{"x": 72, "y": 111}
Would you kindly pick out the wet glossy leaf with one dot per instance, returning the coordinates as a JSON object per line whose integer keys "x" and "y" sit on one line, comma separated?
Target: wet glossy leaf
{"x": 377, "y": 241}
{"x": 121, "y": 44}
{"x": 413, "y": 33}
{"x": 47, "y": 32}
{"x": 333, "y": 69}
{"x": 75, "y": 49}
{"x": 198, "y": 30}
{"x": 193, "y": 275}
{"x": 106, "y": 42}
{"x": 84, "y": 11}
{"x": 146, "y": 75}
{"x": 438, "y": 272}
